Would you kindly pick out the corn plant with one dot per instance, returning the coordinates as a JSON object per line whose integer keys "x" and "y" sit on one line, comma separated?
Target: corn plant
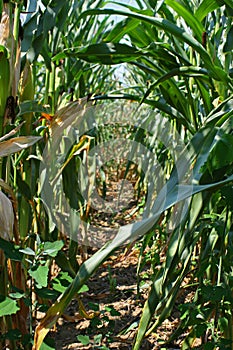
{"x": 184, "y": 50}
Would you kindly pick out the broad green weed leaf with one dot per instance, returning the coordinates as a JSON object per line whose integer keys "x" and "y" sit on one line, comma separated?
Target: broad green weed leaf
{"x": 8, "y": 306}
{"x": 52, "y": 248}
{"x": 40, "y": 275}
{"x": 84, "y": 339}
{"x": 83, "y": 289}
{"x": 62, "y": 281}
{"x": 223, "y": 323}
{"x": 17, "y": 295}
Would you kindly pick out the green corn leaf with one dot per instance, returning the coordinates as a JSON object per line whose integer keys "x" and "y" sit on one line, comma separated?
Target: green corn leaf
{"x": 166, "y": 285}
{"x": 171, "y": 28}
{"x": 222, "y": 154}
{"x": 38, "y": 25}
{"x": 4, "y": 82}
{"x": 47, "y": 293}
{"x": 228, "y": 3}
{"x": 182, "y": 71}
{"x": 206, "y": 7}
{"x": 227, "y": 192}
{"x": 106, "y": 53}
{"x": 121, "y": 29}
{"x": 229, "y": 7}
{"x": 174, "y": 194}
{"x": 165, "y": 305}
{"x": 189, "y": 18}
{"x": 228, "y": 46}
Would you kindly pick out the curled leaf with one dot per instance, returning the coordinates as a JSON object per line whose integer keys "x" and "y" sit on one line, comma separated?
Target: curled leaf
{"x": 17, "y": 144}
{"x": 6, "y": 217}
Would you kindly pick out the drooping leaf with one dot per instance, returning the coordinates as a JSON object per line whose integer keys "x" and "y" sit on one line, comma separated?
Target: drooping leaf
{"x": 121, "y": 29}
{"x": 64, "y": 263}
{"x": 106, "y": 53}
{"x": 11, "y": 133}
{"x": 171, "y": 28}
{"x": 17, "y": 144}
{"x": 184, "y": 71}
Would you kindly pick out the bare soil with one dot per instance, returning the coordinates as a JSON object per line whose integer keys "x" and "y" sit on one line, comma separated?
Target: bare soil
{"x": 113, "y": 287}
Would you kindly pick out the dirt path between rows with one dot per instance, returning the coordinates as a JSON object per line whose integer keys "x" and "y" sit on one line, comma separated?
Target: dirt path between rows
{"x": 113, "y": 289}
